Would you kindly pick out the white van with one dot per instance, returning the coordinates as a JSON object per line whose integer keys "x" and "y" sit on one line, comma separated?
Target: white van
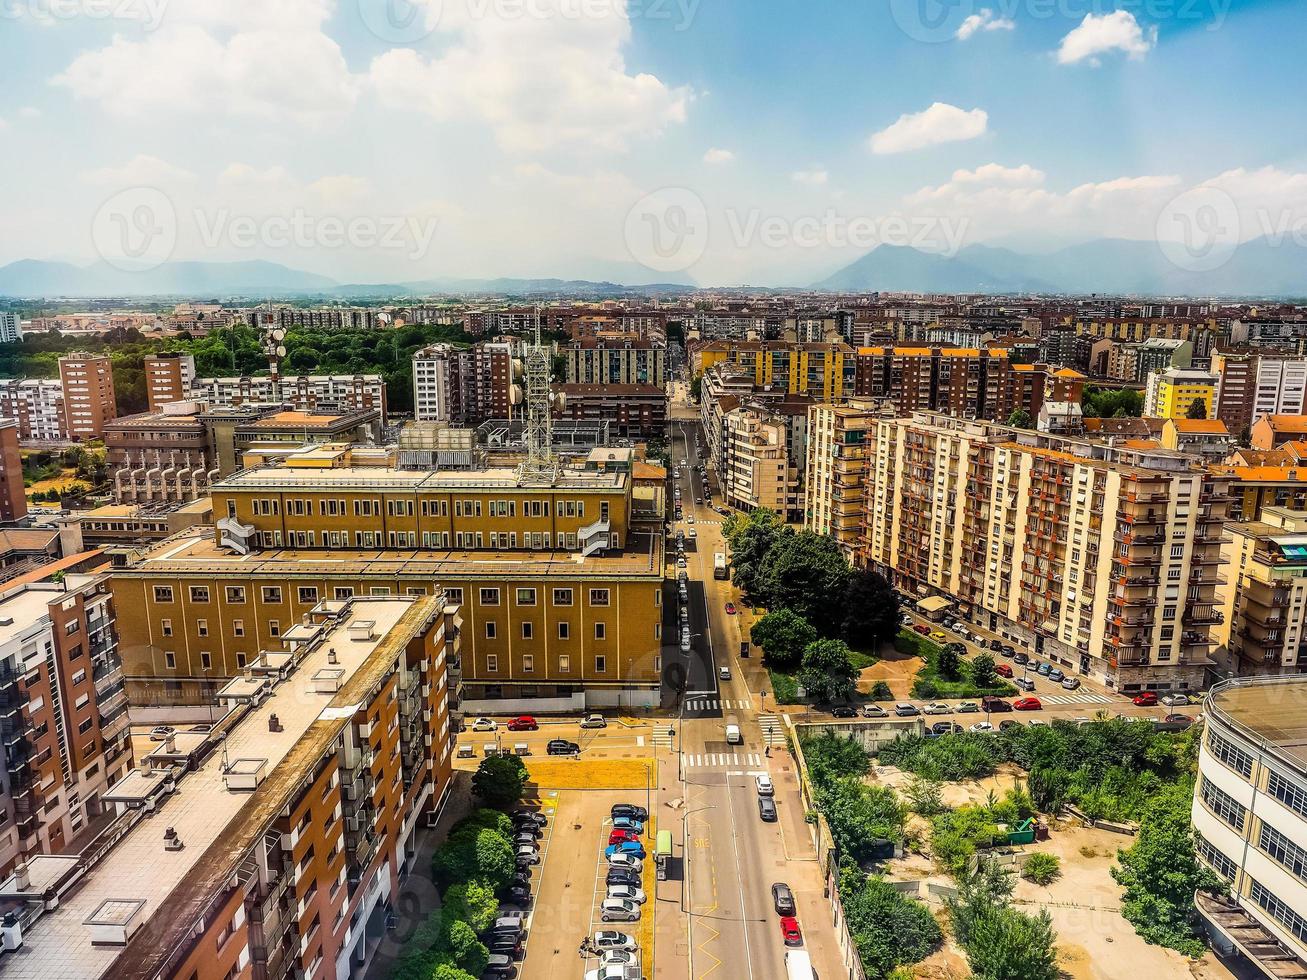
{"x": 733, "y": 735}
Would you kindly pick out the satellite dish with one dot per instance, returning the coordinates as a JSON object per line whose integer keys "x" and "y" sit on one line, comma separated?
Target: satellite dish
{"x": 281, "y": 351}
{"x": 515, "y": 395}
{"x": 279, "y": 334}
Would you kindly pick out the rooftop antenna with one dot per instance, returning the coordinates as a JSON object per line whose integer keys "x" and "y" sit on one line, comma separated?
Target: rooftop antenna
{"x": 541, "y": 464}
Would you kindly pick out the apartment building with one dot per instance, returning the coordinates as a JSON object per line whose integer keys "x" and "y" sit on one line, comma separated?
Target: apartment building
{"x": 1208, "y": 438}
{"x": 11, "y": 328}
{"x": 1170, "y": 394}
{"x": 1254, "y": 488}
{"x": 1264, "y": 598}
{"x": 1204, "y": 334}
{"x": 758, "y": 471}
{"x": 1252, "y": 383}
{"x": 273, "y": 842}
{"x": 561, "y": 590}
{"x": 308, "y": 393}
{"x": 438, "y": 383}
{"x": 1100, "y": 558}
{"x": 63, "y": 715}
{"x": 630, "y": 409}
{"x": 169, "y": 378}
{"x": 13, "y": 491}
{"x": 823, "y": 371}
{"x": 1250, "y": 821}
{"x": 88, "y": 394}
{"x": 721, "y": 389}
{"x": 834, "y": 497}
{"x": 37, "y": 406}
{"x": 620, "y": 360}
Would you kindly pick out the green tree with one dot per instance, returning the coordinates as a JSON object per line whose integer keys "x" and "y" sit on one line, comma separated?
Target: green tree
{"x": 1160, "y": 874}
{"x": 982, "y": 671}
{"x": 473, "y": 902}
{"x": 499, "y": 780}
{"x": 1005, "y": 944}
{"x": 827, "y": 673}
{"x": 831, "y": 757}
{"x": 859, "y": 816}
{"x": 806, "y": 572}
{"x": 949, "y": 662}
{"x": 468, "y": 951}
{"x": 1197, "y": 409}
{"x": 1020, "y": 419}
{"x": 871, "y": 611}
{"x": 889, "y": 930}
{"x": 783, "y": 635}
{"x": 448, "y": 971}
{"x": 925, "y": 796}
{"x": 880, "y": 691}
{"x": 751, "y": 537}
{"x": 696, "y": 387}
{"x": 1042, "y": 868}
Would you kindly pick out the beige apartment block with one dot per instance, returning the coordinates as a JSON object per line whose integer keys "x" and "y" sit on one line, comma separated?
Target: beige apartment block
{"x": 838, "y": 437}
{"x": 758, "y": 471}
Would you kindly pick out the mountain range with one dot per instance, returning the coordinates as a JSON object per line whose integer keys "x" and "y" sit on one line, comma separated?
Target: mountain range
{"x": 1261, "y": 267}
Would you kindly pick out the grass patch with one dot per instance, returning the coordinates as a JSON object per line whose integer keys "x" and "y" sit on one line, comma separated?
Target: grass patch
{"x": 861, "y": 660}
{"x": 785, "y": 687}
{"x": 929, "y": 683}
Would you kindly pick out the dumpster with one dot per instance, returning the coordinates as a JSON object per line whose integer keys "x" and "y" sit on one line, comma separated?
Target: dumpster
{"x": 1022, "y": 833}
{"x": 663, "y": 853}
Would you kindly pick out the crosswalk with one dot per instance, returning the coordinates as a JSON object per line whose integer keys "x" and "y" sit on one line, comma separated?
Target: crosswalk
{"x": 723, "y": 760}
{"x": 662, "y": 738}
{"x": 1077, "y": 699}
{"x": 772, "y": 734}
{"x": 717, "y": 704}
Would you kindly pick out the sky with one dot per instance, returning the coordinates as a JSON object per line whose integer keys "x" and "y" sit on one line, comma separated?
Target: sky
{"x": 723, "y": 142}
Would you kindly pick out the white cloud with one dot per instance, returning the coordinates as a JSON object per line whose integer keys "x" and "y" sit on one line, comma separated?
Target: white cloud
{"x": 541, "y": 79}
{"x": 341, "y": 189}
{"x": 238, "y": 174}
{"x": 1097, "y": 35}
{"x": 941, "y": 123}
{"x": 984, "y": 20}
{"x": 812, "y": 178}
{"x": 293, "y": 73}
{"x": 715, "y": 155}
{"x": 989, "y": 175}
{"x": 29, "y": 112}
{"x": 143, "y": 170}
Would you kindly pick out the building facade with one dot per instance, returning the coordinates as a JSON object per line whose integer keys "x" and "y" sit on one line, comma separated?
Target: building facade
{"x": 835, "y": 492}
{"x": 1172, "y": 393}
{"x": 168, "y": 378}
{"x": 89, "y": 400}
{"x": 11, "y": 328}
{"x": 1264, "y": 598}
{"x": 627, "y": 360}
{"x": 1251, "y": 383}
{"x": 308, "y": 393}
{"x": 13, "y": 491}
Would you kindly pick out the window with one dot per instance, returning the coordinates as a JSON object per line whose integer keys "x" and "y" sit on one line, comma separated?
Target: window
{"x": 206, "y": 660}
{"x": 163, "y": 593}
{"x": 528, "y": 631}
{"x": 601, "y": 664}
{"x": 72, "y": 626}
{"x": 199, "y": 593}
{"x": 84, "y": 726}
{"x": 1279, "y": 911}
{"x": 528, "y": 663}
{"x": 492, "y": 663}
{"x": 564, "y": 631}
{"x": 344, "y": 592}
{"x": 170, "y": 660}
{"x": 489, "y": 597}
{"x": 454, "y": 595}
{"x": 165, "y": 627}
{"x": 1288, "y": 792}
{"x": 1289, "y": 854}
{"x": 202, "y": 627}
{"x": 562, "y": 597}
{"x": 235, "y": 594}
{"x": 238, "y": 627}
{"x": 308, "y": 594}
{"x": 526, "y": 597}
{"x": 79, "y": 677}
{"x": 490, "y": 629}
{"x": 565, "y": 663}
{"x": 274, "y": 628}
{"x": 271, "y": 593}
{"x": 1223, "y": 804}
{"x": 240, "y": 661}
{"x": 598, "y": 597}
{"x": 1230, "y": 754}
{"x": 601, "y": 631}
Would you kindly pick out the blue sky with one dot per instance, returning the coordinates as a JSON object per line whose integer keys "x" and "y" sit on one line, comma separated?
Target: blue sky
{"x": 762, "y": 141}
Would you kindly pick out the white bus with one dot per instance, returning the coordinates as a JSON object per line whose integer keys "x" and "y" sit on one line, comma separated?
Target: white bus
{"x": 719, "y": 565}
{"x": 798, "y": 965}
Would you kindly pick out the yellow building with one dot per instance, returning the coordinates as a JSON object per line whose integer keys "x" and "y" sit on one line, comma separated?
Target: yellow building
{"x": 824, "y": 372}
{"x": 1263, "y": 607}
{"x": 1172, "y": 392}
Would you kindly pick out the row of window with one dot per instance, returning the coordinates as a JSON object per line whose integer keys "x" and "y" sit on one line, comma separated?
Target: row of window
{"x": 1230, "y": 754}
{"x": 1223, "y": 804}
{"x": 561, "y": 597}
{"x": 467, "y": 540}
{"x": 1217, "y": 859}
{"x": 564, "y": 630}
{"x": 308, "y": 595}
{"x": 405, "y": 507}
{"x": 1293, "y": 795}
{"x": 1280, "y": 911}
{"x": 529, "y": 663}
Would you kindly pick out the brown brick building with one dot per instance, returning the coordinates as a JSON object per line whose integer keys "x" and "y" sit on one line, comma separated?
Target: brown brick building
{"x": 13, "y": 492}
{"x": 88, "y": 394}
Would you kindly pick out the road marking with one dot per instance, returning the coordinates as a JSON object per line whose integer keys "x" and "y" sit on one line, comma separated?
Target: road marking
{"x": 639, "y": 741}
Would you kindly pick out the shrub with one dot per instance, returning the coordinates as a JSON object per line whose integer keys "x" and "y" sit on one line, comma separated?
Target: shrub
{"x": 831, "y": 757}
{"x": 880, "y": 692}
{"x": 500, "y": 780}
{"x": 1042, "y": 868}
{"x": 888, "y": 929}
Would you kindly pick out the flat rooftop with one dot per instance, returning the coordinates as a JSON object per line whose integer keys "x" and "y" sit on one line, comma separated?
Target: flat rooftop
{"x": 216, "y": 825}
{"x": 640, "y": 556}
{"x": 1270, "y": 710}
{"x": 378, "y": 478}
{"x": 22, "y": 609}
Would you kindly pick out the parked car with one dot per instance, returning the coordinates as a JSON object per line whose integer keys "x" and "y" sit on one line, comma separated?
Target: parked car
{"x": 921, "y": 628}
{"x": 1146, "y": 700}
{"x": 1008, "y": 651}
{"x": 966, "y": 707}
{"x": 1056, "y": 675}
{"x": 594, "y": 721}
{"x": 767, "y": 808}
{"x": 1007, "y": 723}
{"x": 1044, "y": 668}
{"x": 529, "y": 830}
{"x": 561, "y": 746}
{"x": 484, "y": 725}
{"x": 1025, "y": 683}
{"x": 1184, "y": 720}
{"x": 523, "y": 815}
{"x": 1003, "y": 670}
{"x": 633, "y": 847}
{"x": 1070, "y": 683}
{"x": 764, "y": 784}
{"x": 499, "y": 966}
{"x": 523, "y": 723}
{"x": 906, "y": 710}
{"x": 981, "y": 726}
{"x": 790, "y": 933}
{"x": 628, "y": 810}
{"x": 612, "y": 939}
{"x": 937, "y": 708}
{"x": 992, "y": 703}
{"x": 620, "y": 836}
{"x": 628, "y": 861}
{"x": 628, "y": 823}
{"x": 619, "y": 910}
{"x": 844, "y": 711}
{"x": 1020, "y": 658}
{"x": 996, "y": 646}
{"x": 724, "y": 673}
{"x": 527, "y": 854}
{"x": 1027, "y": 704}
{"x": 622, "y": 876}
{"x": 873, "y": 710}
{"x": 1175, "y": 700}
{"x": 945, "y": 728}
{"x": 939, "y": 635}
{"x": 518, "y": 895}
{"x": 619, "y": 958}
{"x": 782, "y": 898}
{"x": 627, "y": 893}
{"x": 503, "y": 945}
{"x": 730, "y": 609}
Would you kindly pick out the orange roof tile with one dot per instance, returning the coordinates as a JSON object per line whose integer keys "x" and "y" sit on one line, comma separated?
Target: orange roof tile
{"x": 1214, "y": 426}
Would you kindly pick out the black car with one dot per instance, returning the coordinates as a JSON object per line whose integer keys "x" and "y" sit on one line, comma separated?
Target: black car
{"x": 561, "y": 746}
{"x": 945, "y": 728}
{"x": 523, "y": 815}
{"x": 623, "y": 876}
{"x": 518, "y": 895}
{"x": 629, "y": 810}
{"x": 534, "y": 829}
{"x": 527, "y": 838}
{"x": 782, "y": 898}
{"x": 1008, "y": 723}
{"x": 767, "y": 808}
{"x": 844, "y": 711}
{"x": 1008, "y": 651}
{"x": 1020, "y": 658}
{"x": 504, "y": 945}
{"x": 996, "y": 645}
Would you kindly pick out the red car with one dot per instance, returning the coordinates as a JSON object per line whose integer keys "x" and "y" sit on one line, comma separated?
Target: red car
{"x": 622, "y": 836}
{"x": 524, "y": 724}
{"x": 1003, "y": 670}
{"x": 730, "y": 609}
{"x": 922, "y": 629}
{"x": 1146, "y": 700}
{"x": 1027, "y": 704}
{"x": 790, "y": 931}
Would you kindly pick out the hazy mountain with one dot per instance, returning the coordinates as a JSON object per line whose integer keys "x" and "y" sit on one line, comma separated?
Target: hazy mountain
{"x": 29, "y": 278}
{"x": 1262, "y": 267}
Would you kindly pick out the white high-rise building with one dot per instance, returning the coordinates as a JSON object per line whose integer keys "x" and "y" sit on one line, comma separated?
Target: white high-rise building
{"x": 436, "y": 377}
{"x": 11, "y": 328}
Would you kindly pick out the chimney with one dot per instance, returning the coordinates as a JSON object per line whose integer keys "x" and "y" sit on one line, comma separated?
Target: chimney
{"x": 22, "y": 879}
{"x": 170, "y": 743}
{"x": 274, "y": 723}
{"x": 331, "y": 656}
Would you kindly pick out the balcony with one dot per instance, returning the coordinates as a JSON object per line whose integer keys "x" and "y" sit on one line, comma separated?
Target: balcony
{"x": 1225, "y": 917}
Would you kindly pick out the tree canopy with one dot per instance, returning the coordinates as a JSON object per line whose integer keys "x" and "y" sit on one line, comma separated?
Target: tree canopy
{"x": 871, "y": 610}
{"x": 499, "y": 780}
{"x": 783, "y": 635}
{"x": 826, "y": 671}
{"x": 806, "y": 572}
